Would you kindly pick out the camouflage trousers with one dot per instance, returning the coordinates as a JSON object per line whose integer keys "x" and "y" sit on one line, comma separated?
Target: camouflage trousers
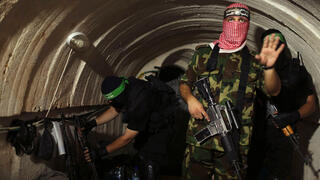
{"x": 206, "y": 164}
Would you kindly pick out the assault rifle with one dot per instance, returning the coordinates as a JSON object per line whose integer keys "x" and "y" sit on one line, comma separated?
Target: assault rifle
{"x": 84, "y": 144}
{"x": 222, "y": 122}
{"x": 272, "y": 112}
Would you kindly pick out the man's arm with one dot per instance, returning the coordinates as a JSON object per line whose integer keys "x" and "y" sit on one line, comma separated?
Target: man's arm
{"x": 272, "y": 82}
{"x": 115, "y": 145}
{"x": 195, "y": 108}
{"x": 309, "y": 107}
{"x": 267, "y": 57}
{"x": 289, "y": 118}
{"x": 123, "y": 140}
{"x": 108, "y": 115}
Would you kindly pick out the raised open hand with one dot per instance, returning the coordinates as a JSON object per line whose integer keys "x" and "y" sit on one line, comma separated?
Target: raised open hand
{"x": 269, "y": 52}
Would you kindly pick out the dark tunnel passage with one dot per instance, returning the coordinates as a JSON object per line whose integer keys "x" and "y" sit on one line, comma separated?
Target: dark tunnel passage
{"x": 42, "y": 76}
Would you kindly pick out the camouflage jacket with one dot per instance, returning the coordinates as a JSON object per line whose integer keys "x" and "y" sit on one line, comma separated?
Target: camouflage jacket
{"x": 228, "y": 71}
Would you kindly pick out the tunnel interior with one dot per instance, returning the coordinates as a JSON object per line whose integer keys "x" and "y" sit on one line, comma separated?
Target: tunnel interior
{"x": 43, "y": 76}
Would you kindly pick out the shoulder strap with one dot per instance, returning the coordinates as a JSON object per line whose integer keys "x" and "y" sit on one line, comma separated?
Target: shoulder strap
{"x": 245, "y": 66}
{"x": 213, "y": 59}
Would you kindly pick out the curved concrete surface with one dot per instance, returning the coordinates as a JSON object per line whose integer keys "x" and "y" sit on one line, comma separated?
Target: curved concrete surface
{"x": 39, "y": 71}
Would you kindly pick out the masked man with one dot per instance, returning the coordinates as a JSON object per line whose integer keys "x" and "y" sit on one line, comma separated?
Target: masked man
{"x": 295, "y": 101}
{"x": 148, "y": 108}
{"x": 234, "y": 74}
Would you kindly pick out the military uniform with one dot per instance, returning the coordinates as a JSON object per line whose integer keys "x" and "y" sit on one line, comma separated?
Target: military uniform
{"x": 224, "y": 83}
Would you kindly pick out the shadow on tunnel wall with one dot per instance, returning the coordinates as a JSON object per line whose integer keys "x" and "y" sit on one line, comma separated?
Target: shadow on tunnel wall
{"x": 95, "y": 61}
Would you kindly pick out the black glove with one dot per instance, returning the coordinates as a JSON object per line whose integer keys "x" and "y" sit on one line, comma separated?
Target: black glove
{"x": 284, "y": 119}
{"x": 88, "y": 126}
{"x": 93, "y": 155}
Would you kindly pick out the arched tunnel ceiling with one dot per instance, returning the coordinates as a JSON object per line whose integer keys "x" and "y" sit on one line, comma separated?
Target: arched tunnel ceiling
{"x": 125, "y": 36}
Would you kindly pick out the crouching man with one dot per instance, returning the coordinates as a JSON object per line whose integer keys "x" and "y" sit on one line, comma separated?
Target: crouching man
{"x": 148, "y": 108}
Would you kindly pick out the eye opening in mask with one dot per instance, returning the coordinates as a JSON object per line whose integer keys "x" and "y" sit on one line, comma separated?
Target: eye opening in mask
{"x": 240, "y": 19}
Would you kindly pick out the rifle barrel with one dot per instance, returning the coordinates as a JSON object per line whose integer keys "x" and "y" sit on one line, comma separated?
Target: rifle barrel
{"x": 287, "y": 131}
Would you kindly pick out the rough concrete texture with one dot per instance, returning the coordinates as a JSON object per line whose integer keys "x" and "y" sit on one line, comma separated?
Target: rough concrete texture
{"x": 38, "y": 71}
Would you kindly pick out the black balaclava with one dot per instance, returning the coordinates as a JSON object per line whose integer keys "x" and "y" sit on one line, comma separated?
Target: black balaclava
{"x": 285, "y": 56}
{"x": 115, "y": 89}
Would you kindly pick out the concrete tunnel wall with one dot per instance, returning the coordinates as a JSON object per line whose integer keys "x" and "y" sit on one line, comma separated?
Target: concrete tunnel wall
{"x": 128, "y": 37}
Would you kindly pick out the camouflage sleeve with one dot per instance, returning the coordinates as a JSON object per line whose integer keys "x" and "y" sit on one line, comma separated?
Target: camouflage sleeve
{"x": 260, "y": 76}
{"x": 190, "y": 76}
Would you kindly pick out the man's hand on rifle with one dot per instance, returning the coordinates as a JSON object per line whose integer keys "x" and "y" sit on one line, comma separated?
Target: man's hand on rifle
{"x": 88, "y": 126}
{"x": 285, "y": 119}
{"x": 89, "y": 156}
{"x": 93, "y": 155}
{"x": 196, "y": 109}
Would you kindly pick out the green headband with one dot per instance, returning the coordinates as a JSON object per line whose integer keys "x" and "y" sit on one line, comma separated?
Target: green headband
{"x": 281, "y": 38}
{"x": 113, "y": 94}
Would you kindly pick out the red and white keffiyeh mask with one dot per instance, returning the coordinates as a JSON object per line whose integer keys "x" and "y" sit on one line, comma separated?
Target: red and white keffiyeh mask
{"x": 234, "y": 33}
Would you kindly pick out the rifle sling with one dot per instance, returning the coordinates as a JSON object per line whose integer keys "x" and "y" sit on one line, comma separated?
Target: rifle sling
{"x": 245, "y": 66}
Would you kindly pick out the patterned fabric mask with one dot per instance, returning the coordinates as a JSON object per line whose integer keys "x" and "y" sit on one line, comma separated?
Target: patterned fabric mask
{"x": 233, "y": 33}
